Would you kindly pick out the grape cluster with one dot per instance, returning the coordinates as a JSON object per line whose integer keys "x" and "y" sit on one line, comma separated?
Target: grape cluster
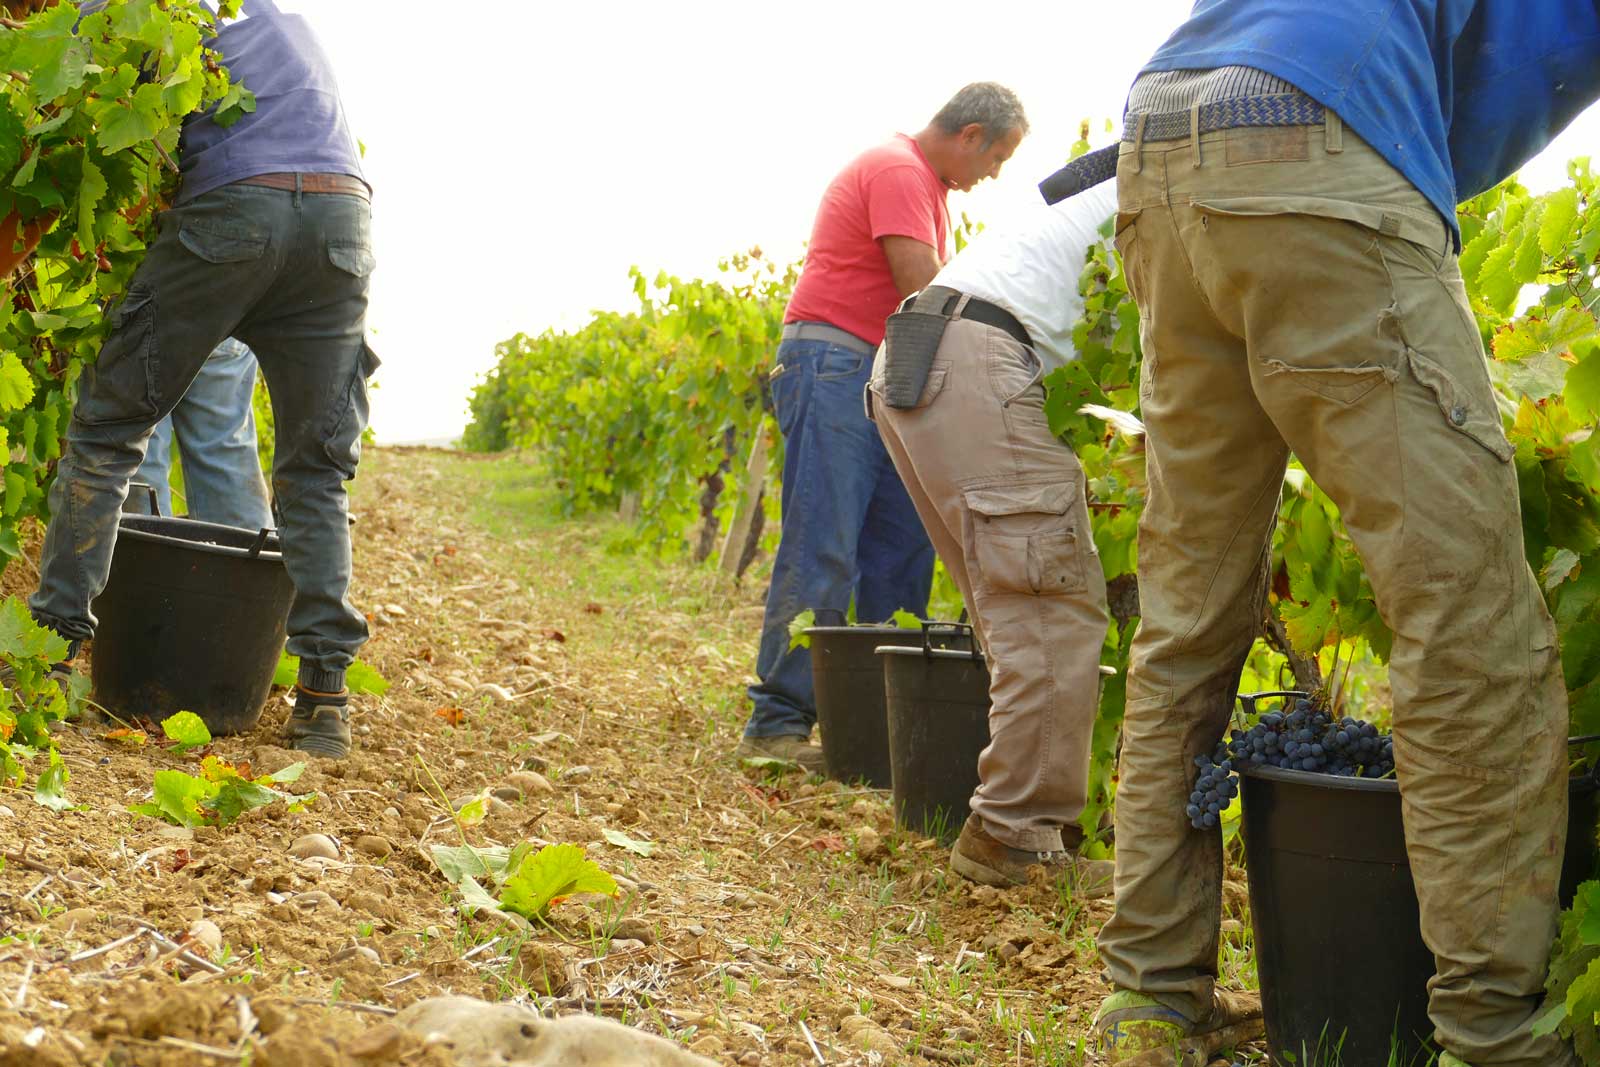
{"x": 1300, "y": 737}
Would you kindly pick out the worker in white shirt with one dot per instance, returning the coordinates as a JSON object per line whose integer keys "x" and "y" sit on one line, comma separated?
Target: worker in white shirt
{"x": 959, "y": 401}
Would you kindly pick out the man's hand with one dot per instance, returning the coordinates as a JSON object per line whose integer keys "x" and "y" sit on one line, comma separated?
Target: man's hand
{"x": 912, "y": 262}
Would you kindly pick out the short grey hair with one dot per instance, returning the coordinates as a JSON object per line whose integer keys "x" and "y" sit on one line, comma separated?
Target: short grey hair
{"x": 989, "y": 104}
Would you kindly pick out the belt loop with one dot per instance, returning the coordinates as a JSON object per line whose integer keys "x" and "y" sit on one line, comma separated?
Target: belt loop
{"x": 955, "y": 312}
{"x": 1194, "y": 131}
{"x": 1138, "y": 144}
{"x": 1332, "y": 132}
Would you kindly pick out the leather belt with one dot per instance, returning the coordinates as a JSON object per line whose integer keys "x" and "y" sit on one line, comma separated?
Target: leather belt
{"x": 821, "y": 331}
{"x": 1281, "y": 109}
{"x": 312, "y": 183}
{"x": 945, "y": 301}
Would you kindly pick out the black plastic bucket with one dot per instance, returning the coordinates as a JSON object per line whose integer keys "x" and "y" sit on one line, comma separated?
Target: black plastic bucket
{"x": 193, "y": 618}
{"x": 938, "y": 714}
{"x": 1322, "y": 852}
{"x": 847, "y": 677}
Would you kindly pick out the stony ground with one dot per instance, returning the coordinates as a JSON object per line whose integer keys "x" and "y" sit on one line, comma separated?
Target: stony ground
{"x": 775, "y": 921}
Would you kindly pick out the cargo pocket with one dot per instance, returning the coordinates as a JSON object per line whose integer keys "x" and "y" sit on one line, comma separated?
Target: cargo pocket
{"x": 120, "y": 385}
{"x": 1462, "y": 411}
{"x": 343, "y": 440}
{"x": 352, "y": 257}
{"x": 1024, "y": 538}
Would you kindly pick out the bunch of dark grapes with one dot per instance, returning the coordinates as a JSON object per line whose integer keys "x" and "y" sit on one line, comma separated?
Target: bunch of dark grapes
{"x": 1300, "y": 737}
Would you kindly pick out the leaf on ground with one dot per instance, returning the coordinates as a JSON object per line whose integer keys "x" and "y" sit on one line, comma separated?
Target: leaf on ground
{"x": 186, "y": 730}
{"x": 236, "y": 796}
{"x": 177, "y": 799}
{"x": 632, "y": 844}
{"x": 453, "y": 716}
{"x": 769, "y": 763}
{"x": 475, "y": 810}
{"x": 827, "y": 843}
{"x": 594, "y": 609}
{"x": 552, "y": 874}
{"x": 457, "y": 862}
{"x": 126, "y": 736}
{"x": 553, "y": 635}
{"x": 51, "y": 789}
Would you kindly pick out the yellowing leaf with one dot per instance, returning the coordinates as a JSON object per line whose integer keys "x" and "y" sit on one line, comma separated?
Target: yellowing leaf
{"x": 16, "y": 384}
{"x": 187, "y": 730}
{"x": 555, "y": 872}
{"x": 1560, "y": 216}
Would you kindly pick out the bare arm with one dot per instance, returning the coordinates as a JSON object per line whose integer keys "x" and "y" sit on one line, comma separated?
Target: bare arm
{"x": 913, "y": 263}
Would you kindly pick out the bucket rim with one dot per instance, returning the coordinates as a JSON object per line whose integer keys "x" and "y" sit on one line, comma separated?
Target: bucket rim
{"x": 130, "y": 526}
{"x": 867, "y": 628}
{"x": 1580, "y": 784}
{"x": 927, "y": 653}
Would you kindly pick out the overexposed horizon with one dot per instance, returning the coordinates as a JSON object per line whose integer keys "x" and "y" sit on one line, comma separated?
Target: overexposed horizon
{"x": 523, "y": 158}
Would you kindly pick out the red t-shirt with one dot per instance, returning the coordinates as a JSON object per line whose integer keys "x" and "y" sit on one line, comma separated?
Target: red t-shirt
{"x": 888, "y": 191}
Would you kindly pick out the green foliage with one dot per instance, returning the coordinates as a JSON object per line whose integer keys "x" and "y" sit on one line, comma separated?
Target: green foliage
{"x": 218, "y": 796}
{"x": 798, "y": 638}
{"x": 527, "y": 883}
{"x": 1573, "y": 987}
{"x": 88, "y": 125}
{"x": 653, "y": 401}
{"x": 186, "y": 731}
{"x": 551, "y": 875}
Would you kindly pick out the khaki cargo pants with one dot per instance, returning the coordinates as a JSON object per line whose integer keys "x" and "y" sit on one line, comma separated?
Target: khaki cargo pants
{"x": 1297, "y": 294}
{"x": 1003, "y": 503}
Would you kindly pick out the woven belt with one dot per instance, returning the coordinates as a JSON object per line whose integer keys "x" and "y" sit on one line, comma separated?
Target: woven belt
{"x": 312, "y": 183}
{"x": 1285, "y": 109}
{"x": 977, "y": 310}
{"x": 821, "y": 331}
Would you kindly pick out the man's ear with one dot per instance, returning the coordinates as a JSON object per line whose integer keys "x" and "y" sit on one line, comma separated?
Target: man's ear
{"x": 973, "y": 136}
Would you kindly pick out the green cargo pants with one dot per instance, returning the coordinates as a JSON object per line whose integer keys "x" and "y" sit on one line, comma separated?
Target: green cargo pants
{"x": 1296, "y": 293}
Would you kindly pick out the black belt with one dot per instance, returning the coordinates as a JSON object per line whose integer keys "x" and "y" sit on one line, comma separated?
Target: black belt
{"x": 977, "y": 310}
{"x": 1280, "y": 109}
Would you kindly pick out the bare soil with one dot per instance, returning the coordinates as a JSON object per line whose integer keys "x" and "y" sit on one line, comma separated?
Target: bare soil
{"x": 776, "y": 921}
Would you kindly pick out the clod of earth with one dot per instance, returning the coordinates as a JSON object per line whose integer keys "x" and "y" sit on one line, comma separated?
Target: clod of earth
{"x": 480, "y": 1034}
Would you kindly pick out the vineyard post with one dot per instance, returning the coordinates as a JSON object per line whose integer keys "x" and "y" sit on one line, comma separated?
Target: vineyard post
{"x": 744, "y": 513}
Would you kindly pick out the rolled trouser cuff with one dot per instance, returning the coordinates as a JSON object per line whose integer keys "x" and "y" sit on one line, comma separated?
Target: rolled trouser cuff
{"x": 321, "y": 680}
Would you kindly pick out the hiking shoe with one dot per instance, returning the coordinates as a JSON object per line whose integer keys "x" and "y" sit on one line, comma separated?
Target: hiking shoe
{"x": 1134, "y": 1027}
{"x": 980, "y": 857}
{"x": 320, "y": 724}
{"x": 796, "y": 748}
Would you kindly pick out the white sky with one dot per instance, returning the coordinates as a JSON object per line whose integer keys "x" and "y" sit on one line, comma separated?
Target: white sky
{"x": 524, "y": 158}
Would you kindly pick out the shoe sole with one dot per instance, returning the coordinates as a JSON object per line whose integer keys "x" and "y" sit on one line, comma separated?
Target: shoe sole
{"x": 973, "y": 871}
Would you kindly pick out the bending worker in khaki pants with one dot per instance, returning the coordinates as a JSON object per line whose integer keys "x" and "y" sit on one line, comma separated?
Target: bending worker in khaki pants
{"x": 1003, "y": 500}
{"x": 1286, "y": 185}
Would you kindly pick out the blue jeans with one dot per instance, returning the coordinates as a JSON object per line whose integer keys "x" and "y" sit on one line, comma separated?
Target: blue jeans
{"x": 216, "y": 430}
{"x": 286, "y": 272}
{"x": 849, "y": 528}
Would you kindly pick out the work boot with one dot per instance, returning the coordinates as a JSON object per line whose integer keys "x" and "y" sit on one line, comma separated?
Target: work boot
{"x": 1447, "y": 1060}
{"x": 796, "y": 748}
{"x": 980, "y": 857}
{"x": 1133, "y": 1027}
{"x": 320, "y": 723}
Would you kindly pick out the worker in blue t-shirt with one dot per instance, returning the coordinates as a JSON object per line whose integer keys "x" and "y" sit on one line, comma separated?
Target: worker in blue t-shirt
{"x": 1287, "y": 183}
{"x": 269, "y": 242}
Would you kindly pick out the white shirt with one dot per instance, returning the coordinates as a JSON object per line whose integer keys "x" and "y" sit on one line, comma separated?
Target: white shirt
{"x": 1030, "y": 267}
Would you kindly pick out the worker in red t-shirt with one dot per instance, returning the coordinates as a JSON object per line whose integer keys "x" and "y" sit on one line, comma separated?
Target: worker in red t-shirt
{"x": 849, "y": 528}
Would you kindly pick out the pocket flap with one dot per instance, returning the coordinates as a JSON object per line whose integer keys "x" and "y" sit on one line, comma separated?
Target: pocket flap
{"x": 1459, "y": 410}
{"x": 1051, "y": 499}
{"x": 217, "y": 246}
{"x": 1395, "y": 220}
{"x": 356, "y": 259}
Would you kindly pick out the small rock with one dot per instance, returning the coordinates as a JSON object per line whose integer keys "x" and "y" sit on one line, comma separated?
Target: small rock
{"x": 623, "y": 944}
{"x": 530, "y": 783}
{"x": 510, "y": 794}
{"x": 391, "y": 812}
{"x": 634, "y": 928}
{"x": 581, "y": 773}
{"x": 542, "y": 968}
{"x": 380, "y": 1043}
{"x": 7, "y": 813}
{"x": 367, "y": 955}
{"x": 75, "y": 918}
{"x": 208, "y": 934}
{"x": 987, "y": 895}
{"x": 869, "y": 845}
{"x": 314, "y": 845}
{"x": 868, "y": 1036}
{"x": 374, "y": 846}
{"x": 314, "y": 900}
{"x": 536, "y": 764}
{"x": 709, "y": 1046}
{"x": 176, "y": 833}
{"x": 695, "y": 930}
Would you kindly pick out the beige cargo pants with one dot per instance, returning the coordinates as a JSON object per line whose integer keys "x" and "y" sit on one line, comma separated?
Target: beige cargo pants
{"x": 1003, "y": 502}
{"x": 1297, "y": 294}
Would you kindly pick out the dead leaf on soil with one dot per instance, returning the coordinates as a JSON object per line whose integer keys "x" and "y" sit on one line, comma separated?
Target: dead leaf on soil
{"x": 553, "y": 635}
{"x": 453, "y": 716}
{"x": 827, "y": 843}
{"x": 594, "y": 609}
{"x": 126, "y": 736}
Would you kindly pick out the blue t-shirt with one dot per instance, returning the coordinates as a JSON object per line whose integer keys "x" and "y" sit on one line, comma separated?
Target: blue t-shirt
{"x": 1455, "y": 94}
{"x": 299, "y": 122}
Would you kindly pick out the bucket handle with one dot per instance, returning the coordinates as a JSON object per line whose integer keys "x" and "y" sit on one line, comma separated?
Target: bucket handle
{"x": 155, "y": 501}
{"x": 1249, "y": 699}
{"x": 261, "y": 541}
{"x": 957, "y": 629}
